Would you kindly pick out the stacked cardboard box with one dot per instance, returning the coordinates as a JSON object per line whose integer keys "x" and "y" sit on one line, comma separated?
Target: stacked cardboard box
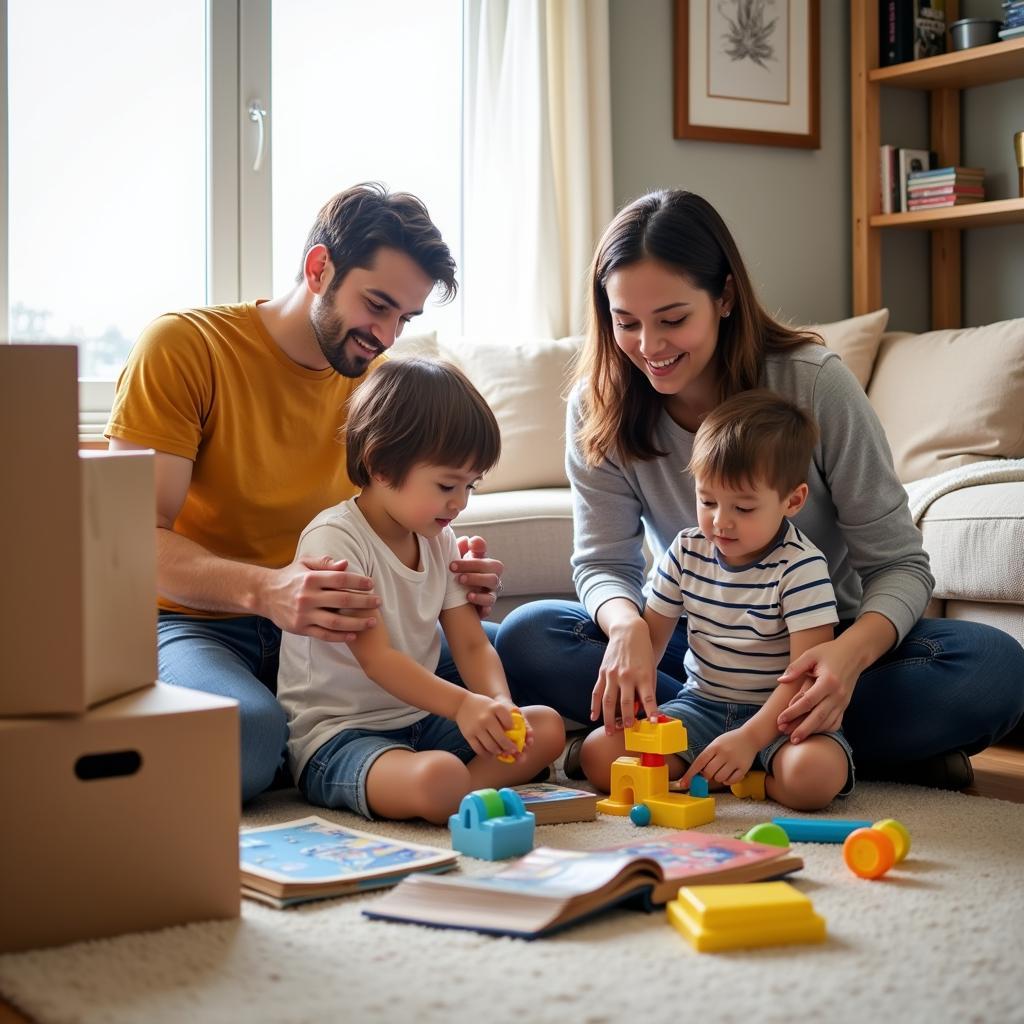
{"x": 119, "y": 795}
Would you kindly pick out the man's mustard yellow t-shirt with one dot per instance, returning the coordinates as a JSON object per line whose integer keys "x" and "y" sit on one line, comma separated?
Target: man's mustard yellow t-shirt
{"x": 263, "y": 433}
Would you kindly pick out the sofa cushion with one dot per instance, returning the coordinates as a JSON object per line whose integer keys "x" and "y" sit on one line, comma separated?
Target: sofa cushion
{"x": 530, "y": 531}
{"x": 856, "y": 340}
{"x": 974, "y": 537}
{"x": 950, "y": 398}
{"x": 525, "y": 383}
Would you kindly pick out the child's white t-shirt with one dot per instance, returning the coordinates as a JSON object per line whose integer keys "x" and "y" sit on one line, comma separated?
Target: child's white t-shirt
{"x": 321, "y": 685}
{"x": 739, "y": 618}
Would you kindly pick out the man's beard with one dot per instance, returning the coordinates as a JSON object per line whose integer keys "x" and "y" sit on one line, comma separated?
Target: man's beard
{"x": 332, "y": 338}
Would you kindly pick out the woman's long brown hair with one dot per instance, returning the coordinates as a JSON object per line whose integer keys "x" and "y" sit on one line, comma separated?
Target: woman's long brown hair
{"x": 683, "y": 231}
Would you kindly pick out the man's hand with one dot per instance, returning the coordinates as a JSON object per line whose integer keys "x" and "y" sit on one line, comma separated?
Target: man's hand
{"x": 316, "y": 597}
{"x": 725, "y": 759}
{"x": 480, "y": 574}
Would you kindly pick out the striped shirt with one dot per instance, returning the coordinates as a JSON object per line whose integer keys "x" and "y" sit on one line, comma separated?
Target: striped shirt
{"x": 738, "y": 618}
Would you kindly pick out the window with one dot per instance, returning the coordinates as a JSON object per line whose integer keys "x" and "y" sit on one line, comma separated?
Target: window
{"x": 130, "y": 152}
{"x": 365, "y": 92}
{"x": 106, "y": 170}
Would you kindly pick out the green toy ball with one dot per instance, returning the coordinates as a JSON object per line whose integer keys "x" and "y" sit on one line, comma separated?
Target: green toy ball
{"x": 768, "y": 832}
{"x": 640, "y": 815}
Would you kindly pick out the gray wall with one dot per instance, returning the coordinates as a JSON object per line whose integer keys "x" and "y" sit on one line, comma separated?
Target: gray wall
{"x": 790, "y": 209}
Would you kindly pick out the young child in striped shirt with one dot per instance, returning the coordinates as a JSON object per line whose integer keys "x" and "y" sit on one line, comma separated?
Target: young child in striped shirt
{"x": 756, "y": 594}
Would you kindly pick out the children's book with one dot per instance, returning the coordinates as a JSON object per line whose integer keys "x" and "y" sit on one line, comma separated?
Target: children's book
{"x": 549, "y": 889}
{"x": 552, "y": 805}
{"x": 313, "y": 859}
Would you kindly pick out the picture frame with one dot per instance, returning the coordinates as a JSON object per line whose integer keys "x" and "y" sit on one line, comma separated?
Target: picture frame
{"x": 748, "y": 71}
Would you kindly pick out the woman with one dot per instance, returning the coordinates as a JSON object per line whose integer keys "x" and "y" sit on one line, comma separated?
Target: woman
{"x": 677, "y": 328}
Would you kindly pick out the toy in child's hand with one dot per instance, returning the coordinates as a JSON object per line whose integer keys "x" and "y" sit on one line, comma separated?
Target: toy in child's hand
{"x": 870, "y": 852}
{"x": 752, "y": 785}
{"x": 517, "y": 734}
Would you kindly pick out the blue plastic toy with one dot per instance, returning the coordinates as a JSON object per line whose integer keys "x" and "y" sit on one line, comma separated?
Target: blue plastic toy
{"x": 698, "y": 786}
{"x": 819, "y": 830}
{"x": 492, "y": 825}
{"x": 640, "y": 814}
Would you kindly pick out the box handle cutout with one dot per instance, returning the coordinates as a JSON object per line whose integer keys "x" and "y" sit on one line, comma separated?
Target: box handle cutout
{"x": 107, "y": 766}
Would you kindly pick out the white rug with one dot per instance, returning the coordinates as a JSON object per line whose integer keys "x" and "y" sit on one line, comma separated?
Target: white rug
{"x": 939, "y": 939}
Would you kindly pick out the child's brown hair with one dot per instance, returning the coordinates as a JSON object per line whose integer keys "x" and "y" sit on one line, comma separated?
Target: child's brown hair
{"x": 417, "y": 411}
{"x": 754, "y": 437}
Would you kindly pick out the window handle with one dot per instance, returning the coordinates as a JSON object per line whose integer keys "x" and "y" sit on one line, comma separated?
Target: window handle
{"x": 258, "y": 116}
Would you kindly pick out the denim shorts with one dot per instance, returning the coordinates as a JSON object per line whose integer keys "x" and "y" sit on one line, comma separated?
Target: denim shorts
{"x": 335, "y": 776}
{"x": 707, "y": 719}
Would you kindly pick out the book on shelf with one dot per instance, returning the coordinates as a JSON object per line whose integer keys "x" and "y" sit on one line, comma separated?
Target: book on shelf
{"x": 312, "y": 859}
{"x": 549, "y": 889}
{"x": 909, "y": 161}
{"x": 888, "y": 180}
{"x": 910, "y": 30}
{"x": 933, "y": 202}
{"x": 914, "y": 193}
{"x": 937, "y": 174}
{"x": 555, "y": 805}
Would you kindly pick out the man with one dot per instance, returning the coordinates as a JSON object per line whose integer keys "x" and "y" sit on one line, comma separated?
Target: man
{"x": 244, "y": 405}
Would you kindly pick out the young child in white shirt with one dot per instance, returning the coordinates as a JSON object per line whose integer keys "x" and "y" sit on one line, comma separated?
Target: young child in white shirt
{"x": 371, "y": 727}
{"x": 756, "y": 595}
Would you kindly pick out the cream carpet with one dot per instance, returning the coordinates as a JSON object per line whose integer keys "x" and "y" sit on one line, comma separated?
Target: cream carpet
{"x": 939, "y": 939}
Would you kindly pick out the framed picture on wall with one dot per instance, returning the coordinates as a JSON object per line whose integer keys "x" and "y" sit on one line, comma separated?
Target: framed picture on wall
{"x": 748, "y": 71}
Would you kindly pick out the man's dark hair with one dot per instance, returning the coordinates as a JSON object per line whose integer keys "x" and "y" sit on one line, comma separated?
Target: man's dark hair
{"x": 362, "y": 219}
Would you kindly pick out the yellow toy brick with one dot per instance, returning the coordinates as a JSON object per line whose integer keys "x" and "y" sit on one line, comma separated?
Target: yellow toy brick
{"x": 517, "y": 734}
{"x": 649, "y": 736}
{"x": 752, "y": 785}
{"x": 718, "y": 917}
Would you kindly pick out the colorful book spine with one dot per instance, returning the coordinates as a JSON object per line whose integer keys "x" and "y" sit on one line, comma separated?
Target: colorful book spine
{"x": 946, "y": 190}
{"x": 938, "y": 201}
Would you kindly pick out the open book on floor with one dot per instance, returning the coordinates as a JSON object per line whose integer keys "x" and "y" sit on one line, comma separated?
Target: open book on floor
{"x": 554, "y": 805}
{"x": 549, "y": 889}
{"x": 312, "y": 859}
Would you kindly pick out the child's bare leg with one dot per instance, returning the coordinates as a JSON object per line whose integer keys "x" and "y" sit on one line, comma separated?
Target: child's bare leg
{"x": 807, "y": 776}
{"x": 417, "y": 784}
{"x": 488, "y": 772}
{"x": 597, "y": 754}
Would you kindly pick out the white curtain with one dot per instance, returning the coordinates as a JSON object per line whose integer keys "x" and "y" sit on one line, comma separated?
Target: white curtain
{"x": 537, "y": 163}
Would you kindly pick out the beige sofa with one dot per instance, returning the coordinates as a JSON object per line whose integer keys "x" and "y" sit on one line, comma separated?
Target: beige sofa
{"x": 947, "y": 399}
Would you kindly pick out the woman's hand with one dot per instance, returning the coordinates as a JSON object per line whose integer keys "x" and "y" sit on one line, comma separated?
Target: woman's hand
{"x": 627, "y": 674}
{"x": 826, "y": 676}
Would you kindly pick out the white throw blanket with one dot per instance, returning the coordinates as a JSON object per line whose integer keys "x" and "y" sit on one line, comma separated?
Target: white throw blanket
{"x": 921, "y": 493}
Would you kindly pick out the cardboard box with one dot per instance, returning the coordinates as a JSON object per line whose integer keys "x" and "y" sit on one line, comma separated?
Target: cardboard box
{"x": 41, "y": 615}
{"x": 119, "y": 573}
{"x": 123, "y": 819}
{"x": 78, "y": 591}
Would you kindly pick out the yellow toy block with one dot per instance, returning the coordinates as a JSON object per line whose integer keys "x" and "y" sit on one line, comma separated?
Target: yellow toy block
{"x": 647, "y": 737}
{"x": 517, "y": 734}
{"x": 752, "y": 785}
{"x": 716, "y": 917}
{"x": 634, "y": 783}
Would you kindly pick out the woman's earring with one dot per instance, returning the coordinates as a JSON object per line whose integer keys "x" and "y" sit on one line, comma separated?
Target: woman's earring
{"x": 725, "y": 313}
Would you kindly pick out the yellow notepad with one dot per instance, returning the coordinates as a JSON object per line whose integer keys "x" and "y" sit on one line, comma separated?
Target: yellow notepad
{"x": 716, "y": 917}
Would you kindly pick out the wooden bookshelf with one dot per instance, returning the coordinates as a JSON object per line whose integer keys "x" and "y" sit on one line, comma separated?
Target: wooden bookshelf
{"x": 943, "y": 78}
{"x": 972, "y": 215}
{"x": 963, "y": 69}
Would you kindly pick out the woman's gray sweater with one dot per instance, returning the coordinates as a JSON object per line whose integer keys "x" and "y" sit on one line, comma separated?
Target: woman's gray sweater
{"x": 856, "y": 512}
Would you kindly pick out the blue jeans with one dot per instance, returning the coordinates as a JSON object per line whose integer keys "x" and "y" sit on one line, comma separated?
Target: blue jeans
{"x": 238, "y": 658}
{"x": 949, "y": 685}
